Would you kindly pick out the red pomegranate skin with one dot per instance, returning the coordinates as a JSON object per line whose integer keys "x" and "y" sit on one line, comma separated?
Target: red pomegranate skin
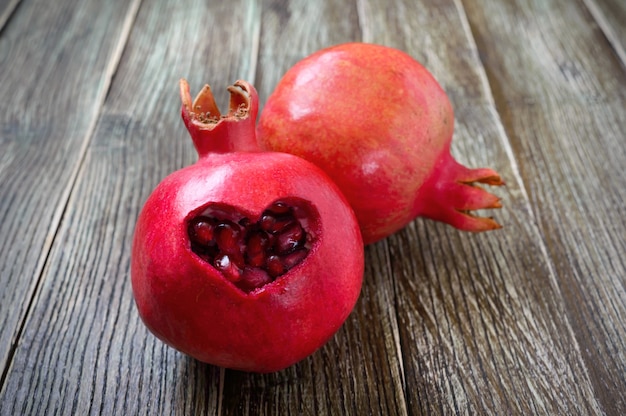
{"x": 378, "y": 123}
{"x": 188, "y": 303}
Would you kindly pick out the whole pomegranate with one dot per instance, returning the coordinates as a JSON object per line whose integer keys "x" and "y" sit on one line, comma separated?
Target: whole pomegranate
{"x": 379, "y": 124}
{"x": 245, "y": 260}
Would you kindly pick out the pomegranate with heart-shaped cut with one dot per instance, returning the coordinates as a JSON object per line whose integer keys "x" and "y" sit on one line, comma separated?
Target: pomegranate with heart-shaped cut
{"x": 247, "y": 260}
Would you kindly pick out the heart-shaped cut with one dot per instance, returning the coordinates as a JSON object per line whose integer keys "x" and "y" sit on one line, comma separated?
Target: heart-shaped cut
{"x": 251, "y": 254}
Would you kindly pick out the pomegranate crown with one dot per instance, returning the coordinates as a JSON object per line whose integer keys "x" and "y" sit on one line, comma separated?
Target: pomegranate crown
{"x": 213, "y": 132}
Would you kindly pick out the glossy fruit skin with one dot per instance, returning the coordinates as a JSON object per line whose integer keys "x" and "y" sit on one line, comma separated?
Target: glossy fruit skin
{"x": 378, "y": 123}
{"x": 189, "y": 305}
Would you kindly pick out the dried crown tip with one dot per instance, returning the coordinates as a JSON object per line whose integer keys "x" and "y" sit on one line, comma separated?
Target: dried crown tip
{"x": 239, "y": 100}
{"x": 204, "y": 109}
{"x": 185, "y": 96}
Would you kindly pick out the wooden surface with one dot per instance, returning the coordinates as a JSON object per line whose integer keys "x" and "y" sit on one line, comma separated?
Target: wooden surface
{"x": 530, "y": 319}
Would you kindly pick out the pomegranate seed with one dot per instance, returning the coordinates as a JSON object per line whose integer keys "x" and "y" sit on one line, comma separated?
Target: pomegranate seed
{"x": 227, "y": 267}
{"x": 279, "y": 208}
{"x": 256, "y": 247}
{"x": 201, "y": 231}
{"x": 253, "y": 278}
{"x": 227, "y": 238}
{"x": 274, "y": 266}
{"x": 294, "y": 258}
{"x": 271, "y": 223}
{"x": 267, "y": 221}
{"x": 289, "y": 238}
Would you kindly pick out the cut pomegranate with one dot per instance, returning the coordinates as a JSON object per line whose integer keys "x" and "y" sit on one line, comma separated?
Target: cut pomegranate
{"x": 248, "y": 260}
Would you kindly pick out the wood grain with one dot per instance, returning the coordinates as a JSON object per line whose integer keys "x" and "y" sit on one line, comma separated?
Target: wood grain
{"x": 6, "y": 8}
{"x": 528, "y": 319}
{"x": 52, "y": 91}
{"x": 463, "y": 300}
{"x": 610, "y": 15}
{"x": 562, "y": 100}
{"x": 83, "y": 347}
{"x": 293, "y": 29}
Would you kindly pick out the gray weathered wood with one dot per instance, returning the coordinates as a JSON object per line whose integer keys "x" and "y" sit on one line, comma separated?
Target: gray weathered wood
{"x": 462, "y": 298}
{"x": 83, "y": 346}
{"x": 610, "y": 16}
{"x": 524, "y": 320}
{"x": 6, "y": 8}
{"x": 561, "y": 98}
{"x": 55, "y": 66}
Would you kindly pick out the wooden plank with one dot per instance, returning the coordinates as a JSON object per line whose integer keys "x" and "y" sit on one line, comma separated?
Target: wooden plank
{"x": 525, "y": 320}
{"x": 359, "y": 371}
{"x": 482, "y": 321}
{"x": 562, "y": 100}
{"x": 83, "y": 349}
{"x": 6, "y": 9}
{"x": 610, "y": 15}
{"x": 296, "y": 28}
{"x": 55, "y": 64}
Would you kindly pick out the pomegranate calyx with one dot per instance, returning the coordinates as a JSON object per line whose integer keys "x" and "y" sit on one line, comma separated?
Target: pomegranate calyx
{"x": 451, "y": 195}
{"x": 213, "y": 132}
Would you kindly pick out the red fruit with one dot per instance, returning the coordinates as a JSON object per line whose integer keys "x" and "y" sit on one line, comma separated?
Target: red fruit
{"x": 379, "y": 124}
{"x": 211, "y": 280}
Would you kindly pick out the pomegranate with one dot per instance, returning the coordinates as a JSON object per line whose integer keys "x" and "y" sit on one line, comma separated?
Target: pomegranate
{"x": 247, "y": 260}
{"x": 378, "y": 123}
